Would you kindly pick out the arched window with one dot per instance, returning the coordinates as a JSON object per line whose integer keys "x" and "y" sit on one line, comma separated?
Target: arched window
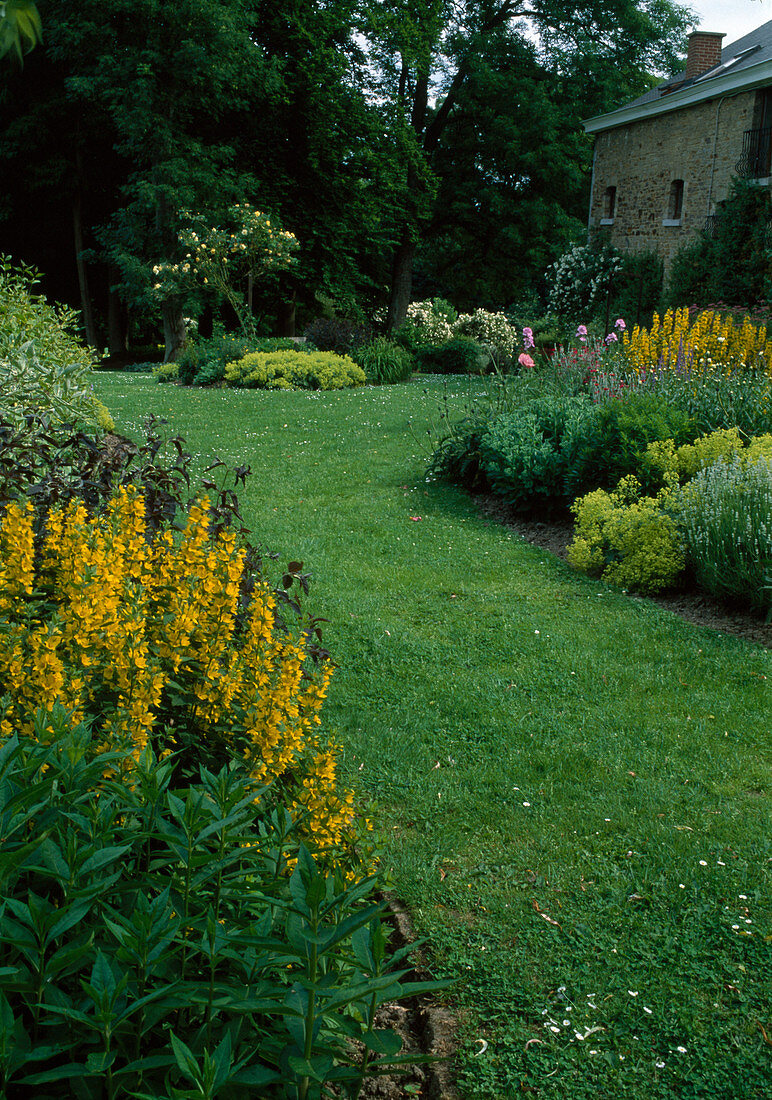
{"x": 676, "y": 201}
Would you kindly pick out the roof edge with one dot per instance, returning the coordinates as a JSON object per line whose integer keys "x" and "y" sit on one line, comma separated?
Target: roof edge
{"x": 747, "y": 80}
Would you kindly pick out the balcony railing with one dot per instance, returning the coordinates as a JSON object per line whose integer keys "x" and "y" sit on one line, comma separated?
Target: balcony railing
{"x": 755, "y": 159}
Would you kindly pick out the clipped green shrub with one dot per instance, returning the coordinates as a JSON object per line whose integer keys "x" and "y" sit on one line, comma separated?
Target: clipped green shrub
{"x": 620, "y": 435}
{"x": 627, "y": 539}
{"x": 528, "y": 455}
{"x": 44, "y": 366}
{"x": 208, "y": 357}
{"x": 383, "y": 361}
{"x": 459, "y": 355}
{"x": 203, "y": 361}
{"x": 166, "y": 372}
{"x": 725, "y": 514}
{"x": 295, "y": 370}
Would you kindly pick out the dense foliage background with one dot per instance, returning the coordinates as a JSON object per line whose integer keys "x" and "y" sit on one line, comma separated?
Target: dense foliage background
{"x": 413, "y": 141}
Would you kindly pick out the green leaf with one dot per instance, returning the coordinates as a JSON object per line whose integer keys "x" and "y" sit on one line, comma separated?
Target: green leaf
{"x": 153, "y": 1061}
{"x": 99, "y": 1061}
{"x": 102, "y": 977}
{"x": 185, "y": 1059}
{"x": 102, "y": 858}
{"x": 315, "y": 1068}
{"x": 256, "y": 1076}
{"x": 68, "y": 920}
{"x": 61, "y": 1073}
{"x": 382, "y": 1041}
{"x": 222, "y": 1059}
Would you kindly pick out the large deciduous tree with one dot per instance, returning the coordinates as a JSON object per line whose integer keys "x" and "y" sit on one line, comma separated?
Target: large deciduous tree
{"x": 426, "y": 52}
{"x": 367, "y": 126}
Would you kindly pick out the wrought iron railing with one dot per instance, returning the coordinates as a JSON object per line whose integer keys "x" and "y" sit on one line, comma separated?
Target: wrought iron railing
{"x": 754, "y": 162}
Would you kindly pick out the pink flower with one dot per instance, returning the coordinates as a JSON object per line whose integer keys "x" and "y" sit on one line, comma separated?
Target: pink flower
{"x": 528, "y": 338}
{"x": 619, "y": 323}
{"x": 525, "y": 360}
{"x": 612, "y": 338}
{"x": 581, "y": 330}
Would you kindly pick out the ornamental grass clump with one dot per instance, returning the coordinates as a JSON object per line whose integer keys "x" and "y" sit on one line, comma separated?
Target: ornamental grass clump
{"x": 154, "y": 640}
{"x": 385, "y": 362}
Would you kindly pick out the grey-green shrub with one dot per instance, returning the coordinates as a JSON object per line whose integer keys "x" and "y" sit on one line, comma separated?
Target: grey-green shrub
{"x": 528, "y": 454}
{"x": 295, "y": 370}
{"x": 725, "y": 516}
{"x": 383, "y": 361}
{"x": 44, "y": 366}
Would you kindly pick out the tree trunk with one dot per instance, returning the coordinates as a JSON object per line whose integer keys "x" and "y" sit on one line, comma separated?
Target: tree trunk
{"x": 401, "y": 283}
{"x": 174, "y": 330}
{"x": 117, "y": 319}
{"x": 85, "y": 298}
{"x": 286, "y": 316}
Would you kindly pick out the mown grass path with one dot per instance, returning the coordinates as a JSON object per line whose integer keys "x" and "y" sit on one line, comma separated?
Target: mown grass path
{"x": 572, "y": 786}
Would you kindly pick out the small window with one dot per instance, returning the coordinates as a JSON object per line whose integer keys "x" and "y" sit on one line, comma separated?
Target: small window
{"x": 609, "y": 203}
{"x": 676, "y": 202}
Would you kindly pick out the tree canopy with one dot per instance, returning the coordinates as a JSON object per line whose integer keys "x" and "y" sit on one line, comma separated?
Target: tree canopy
{"x": 435, "y": 135}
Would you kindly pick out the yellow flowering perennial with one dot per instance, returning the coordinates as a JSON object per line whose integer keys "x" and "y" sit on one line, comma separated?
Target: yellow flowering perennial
{"x": 710, "y": 343}
{"x": 145, "y": 635}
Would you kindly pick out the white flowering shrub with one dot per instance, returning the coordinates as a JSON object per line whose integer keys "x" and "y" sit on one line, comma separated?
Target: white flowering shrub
{"x": 429, "y": 323}
{"x": 492, "y": 329}
{"x": 580, "y": 279}
{"x": 725, "y": 516}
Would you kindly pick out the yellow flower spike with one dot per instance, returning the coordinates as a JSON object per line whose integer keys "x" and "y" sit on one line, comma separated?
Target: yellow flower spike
{"x": 129, "y": 614}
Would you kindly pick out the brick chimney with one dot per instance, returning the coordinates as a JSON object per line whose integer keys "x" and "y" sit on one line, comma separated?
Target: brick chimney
{"x": 704, "y": 52}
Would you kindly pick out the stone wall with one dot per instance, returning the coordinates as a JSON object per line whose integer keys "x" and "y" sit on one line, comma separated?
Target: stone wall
{"x": 642, "y": 161}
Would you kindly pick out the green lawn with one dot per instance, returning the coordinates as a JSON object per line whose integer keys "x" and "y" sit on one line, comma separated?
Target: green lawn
{"x": 572, "y": 786}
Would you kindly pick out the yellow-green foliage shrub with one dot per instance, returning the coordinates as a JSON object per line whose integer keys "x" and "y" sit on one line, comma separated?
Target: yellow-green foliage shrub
{"x": 627, "y": 539}
{"x": 710, "y": 342}
{"x": 670, "y": 464}
{"x": 44, "y": 366}
{"x": 145, "y": 638}
{"x": 166, "y": 372}
{"x": 295, "y": 370}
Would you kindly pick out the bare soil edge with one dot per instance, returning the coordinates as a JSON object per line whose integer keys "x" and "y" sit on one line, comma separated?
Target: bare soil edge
{"x": 692, "y": 605}
{"x": 424, "y": 1027}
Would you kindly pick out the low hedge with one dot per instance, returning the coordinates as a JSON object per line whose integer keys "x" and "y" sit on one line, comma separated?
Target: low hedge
{"x": 294, "y": 370}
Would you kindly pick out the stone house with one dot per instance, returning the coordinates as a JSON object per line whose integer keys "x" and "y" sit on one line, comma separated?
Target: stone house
{"x": 663, "y": 163}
